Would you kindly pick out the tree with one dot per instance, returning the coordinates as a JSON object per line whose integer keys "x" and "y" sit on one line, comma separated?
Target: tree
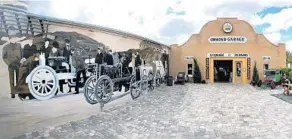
{"x": 255, "y": 76}
{"x": 288, "y": 57}
{"x": 197, "y": 73}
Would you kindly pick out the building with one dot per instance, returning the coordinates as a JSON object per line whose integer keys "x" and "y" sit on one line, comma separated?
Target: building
{"x": 230, "y": 47}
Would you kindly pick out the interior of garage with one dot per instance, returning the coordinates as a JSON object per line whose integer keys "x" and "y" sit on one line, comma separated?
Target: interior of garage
{"x": 223, "y": 71}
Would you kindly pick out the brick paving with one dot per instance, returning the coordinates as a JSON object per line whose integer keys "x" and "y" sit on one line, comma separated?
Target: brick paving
{"x": 192, "y": 111}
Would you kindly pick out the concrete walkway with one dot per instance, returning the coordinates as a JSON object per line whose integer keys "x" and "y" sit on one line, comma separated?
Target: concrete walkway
{"x": 192, "y": 111}
{"x": 18, "y": 117}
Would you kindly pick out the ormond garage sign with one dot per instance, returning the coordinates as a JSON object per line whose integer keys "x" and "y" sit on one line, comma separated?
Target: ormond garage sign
{"x": 227, "y": 39}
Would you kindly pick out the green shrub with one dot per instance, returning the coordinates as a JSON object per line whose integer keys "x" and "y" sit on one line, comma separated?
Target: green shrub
{"x": 287, "y": 71}
{"x": 197, "y": 73}
{"x": 255, "y": 76}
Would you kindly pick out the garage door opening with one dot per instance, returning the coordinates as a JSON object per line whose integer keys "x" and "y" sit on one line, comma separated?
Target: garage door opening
{"x": 223, "y": 71}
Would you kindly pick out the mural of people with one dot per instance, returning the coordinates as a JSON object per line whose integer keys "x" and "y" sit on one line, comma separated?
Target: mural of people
{"x": 99, "y": 57}
{"x": 46, "y": 49}
{"x": 69, "y": 45}
{"x": 11, "y": 56}
{"x": 28, "y": 63}
{"x": 79, "y": 63}
{"x": 109, "y": 60}
{"x": 67, "y": 52}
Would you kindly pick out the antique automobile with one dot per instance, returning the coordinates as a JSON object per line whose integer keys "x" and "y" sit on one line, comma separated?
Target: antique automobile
{"x": 43, "y": 81}
{"x": 272, "y": 78}
{"x": 180, "y": 78}
{"x": 108, "y": 79}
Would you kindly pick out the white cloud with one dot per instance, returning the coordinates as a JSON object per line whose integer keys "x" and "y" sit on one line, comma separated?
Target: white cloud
{"x": 274, "y": 37}
{"x": 128, "y": 15}
{"x": 289, "y": 45}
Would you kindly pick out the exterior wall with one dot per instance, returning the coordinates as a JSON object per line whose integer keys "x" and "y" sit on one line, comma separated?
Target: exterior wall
{"x": 256, "y": 46}
{"x": 114, "y": 41}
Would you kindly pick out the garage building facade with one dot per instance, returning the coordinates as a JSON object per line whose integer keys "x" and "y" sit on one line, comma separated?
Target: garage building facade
{"x": 229, "y": 46}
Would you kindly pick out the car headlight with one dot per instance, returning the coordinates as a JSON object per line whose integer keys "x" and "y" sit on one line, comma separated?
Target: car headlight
{"x": 274, "y": 80}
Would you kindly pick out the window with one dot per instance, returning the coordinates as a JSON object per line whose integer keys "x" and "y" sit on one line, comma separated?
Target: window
{"x": 266, "y": 66}
{"x": 190, "y": 69}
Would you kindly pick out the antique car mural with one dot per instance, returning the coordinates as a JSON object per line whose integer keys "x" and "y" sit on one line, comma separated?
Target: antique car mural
{"x": 43, "y": 55}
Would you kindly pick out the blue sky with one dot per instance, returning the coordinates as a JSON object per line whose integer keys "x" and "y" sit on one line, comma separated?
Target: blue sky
{"x": 173, "y": 21}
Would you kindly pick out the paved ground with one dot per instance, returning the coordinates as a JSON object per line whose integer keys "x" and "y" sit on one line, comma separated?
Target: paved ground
{"x": 222, "y": 111}
{"x": 18, "y": 117}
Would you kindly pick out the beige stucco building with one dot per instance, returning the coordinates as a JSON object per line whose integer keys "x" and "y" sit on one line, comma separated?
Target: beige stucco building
{"x": 227, "y": 40}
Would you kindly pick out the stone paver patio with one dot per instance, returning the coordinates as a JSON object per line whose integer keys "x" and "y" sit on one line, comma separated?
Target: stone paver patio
{"x": 192, "y": 111}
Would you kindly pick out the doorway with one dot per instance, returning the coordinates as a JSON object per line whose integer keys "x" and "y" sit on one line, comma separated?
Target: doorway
{"x": 223, "y": 71}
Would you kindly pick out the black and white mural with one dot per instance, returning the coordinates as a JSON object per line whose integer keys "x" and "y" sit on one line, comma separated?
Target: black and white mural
{"x": 41, "y": 63}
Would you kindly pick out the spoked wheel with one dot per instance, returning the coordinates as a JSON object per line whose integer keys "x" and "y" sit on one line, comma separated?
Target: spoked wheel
{"x": 43, "y": 82}
{"x": 104, "y": 89}
{"x": 89, "y": 90}
{"x": 158, "y": 79}
{"x": 144, "y": 83}
{"x": 150, "y": 82}
{"x": 134, "y": 88}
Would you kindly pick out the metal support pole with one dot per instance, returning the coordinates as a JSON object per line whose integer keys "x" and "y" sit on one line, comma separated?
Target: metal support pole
{"x": 101, "y": 106}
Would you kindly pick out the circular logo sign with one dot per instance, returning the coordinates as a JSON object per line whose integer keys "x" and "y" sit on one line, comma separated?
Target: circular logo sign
{"x": 227, "y": 27}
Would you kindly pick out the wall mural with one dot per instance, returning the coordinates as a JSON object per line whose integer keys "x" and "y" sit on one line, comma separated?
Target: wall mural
{"x": 41, "y": 63}
{"x": 70, "y": 52}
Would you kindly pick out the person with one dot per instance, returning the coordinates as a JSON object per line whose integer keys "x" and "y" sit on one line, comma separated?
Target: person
{"x": 79, "y": 63}
{"x": 28, "y": 63}
{"x": 11, "y": 56}
{"x": 138, "y": 63}
{"x": 109, "y": 58}
{"x": 56, "y": 52}
{"x": 67, "y": 52}
{"x": 138, "y": 60}
{"x": 164, "y": 59}
{"x": 116, "y": 59}
{"x": 46, "y": 49}
{"x": 99, "y": 57}
{"x": 285, "y": 81}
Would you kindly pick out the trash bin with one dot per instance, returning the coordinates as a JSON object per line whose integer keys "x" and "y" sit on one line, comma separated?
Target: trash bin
{"x": 169, "y": 81}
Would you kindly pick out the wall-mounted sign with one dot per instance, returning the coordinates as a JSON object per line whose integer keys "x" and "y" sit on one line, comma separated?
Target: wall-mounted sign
{"x": 248, "y": 68}
{"x": 227, "y": 55}
{"x": 227, "y": 39}
{"x": 266, "y": 57}
{"x": 227, "y": 27}
{"x": 189, "y": 57}
{"x": 207, "y": 68}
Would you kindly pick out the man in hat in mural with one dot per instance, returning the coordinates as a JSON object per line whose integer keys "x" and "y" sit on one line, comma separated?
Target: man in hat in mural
{"x": 67, "y": 52}
{"x": 56, "y": 52}
{"x": 46, "y": 49}
{"x": 109, "y": 60}
{"x": 99, "y": 57}
{"x": 11, "y": 56}
{"x": 79, "y": 63}
{"x": 164, "y": 59}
